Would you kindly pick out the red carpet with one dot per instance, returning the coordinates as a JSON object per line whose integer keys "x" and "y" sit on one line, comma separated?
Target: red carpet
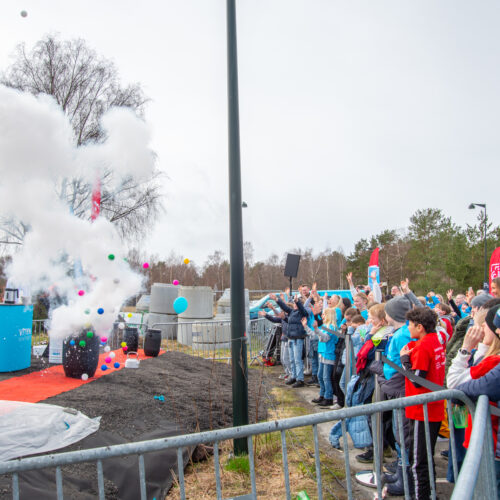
{"x": 37, "y": 386}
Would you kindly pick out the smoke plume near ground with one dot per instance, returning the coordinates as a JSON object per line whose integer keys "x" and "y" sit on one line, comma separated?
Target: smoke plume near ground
{"x": 37, "y": 151}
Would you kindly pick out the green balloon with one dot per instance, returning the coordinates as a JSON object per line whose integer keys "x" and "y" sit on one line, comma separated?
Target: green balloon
{"x": 82, "y": 343}
{"x": 90, "y": 334}
{"x": 87, "y": 311}
{"x": 111, "y": 256}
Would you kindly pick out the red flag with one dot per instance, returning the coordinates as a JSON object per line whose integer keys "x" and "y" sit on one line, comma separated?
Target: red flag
{"x": 495, "y": 265}
{"x": 96, "y": 199}
{"x": 374, "y": 258}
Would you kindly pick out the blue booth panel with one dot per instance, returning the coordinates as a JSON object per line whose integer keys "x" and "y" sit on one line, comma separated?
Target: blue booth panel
{"x": 15, "y": 337}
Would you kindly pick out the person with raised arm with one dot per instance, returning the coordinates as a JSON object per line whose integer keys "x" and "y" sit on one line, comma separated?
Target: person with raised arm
{"x": 296, "y": 335}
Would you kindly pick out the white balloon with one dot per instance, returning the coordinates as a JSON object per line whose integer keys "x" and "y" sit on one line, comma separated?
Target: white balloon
{"x": 112, "y": 354}
{"x": 121, "y": 326}
{"x": 85, "y": 376}
{"x": 107, "y": 348}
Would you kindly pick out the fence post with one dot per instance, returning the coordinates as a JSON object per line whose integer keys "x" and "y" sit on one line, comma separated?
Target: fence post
{"x": 378, "y": 427}
{"x": 348, "y": 359}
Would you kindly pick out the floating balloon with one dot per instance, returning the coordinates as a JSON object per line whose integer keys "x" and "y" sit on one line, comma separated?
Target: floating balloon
{"x": 107, "y": 348}
{"x": 125, "y": 348}
{"x": 180, "y": 305}
{"x": 100, "y": 310}
{"x": 104, "y": 368}
{"x": 90, "y": 334}
{"x": 82, "y": 343}
{"x": 129, "y": 315}
{"x": 145, "y": 265}
{"x": 121, "y": 326}
{"x": 116, "y": 365}
{"x": 71, "y": 342}
{"x": 24, "y": 13}
{"x": 107, "y": 359}
{"x": 104, "y": 339}
{"x": 186, "y": 261}
{"x": 111, "y": 256}
{"x": 85, "y": 376}
{"x": 81, "y": 293}
{"x": 123, "y": 344}
{"x": 87, "y": 311}
{"x": 112, "y": 355}
{"x": 116, "y": 281}
{"x": 175, "y": 282}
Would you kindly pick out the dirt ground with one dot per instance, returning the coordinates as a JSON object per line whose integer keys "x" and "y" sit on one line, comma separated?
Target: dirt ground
{"x": 197, "y": 393}
{"x": 197, "y": 396}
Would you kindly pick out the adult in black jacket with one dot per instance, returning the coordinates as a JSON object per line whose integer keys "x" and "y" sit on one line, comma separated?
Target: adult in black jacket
{"x": 296, "y": 335}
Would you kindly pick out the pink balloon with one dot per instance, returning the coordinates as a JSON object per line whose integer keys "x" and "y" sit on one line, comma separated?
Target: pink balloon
{"x": 125, "y": 348}
{"x": 107, "y": 359}
{"x": 81, "y": 292}
{"x": 145, "y": 265}
{"x": 104, "y": 339}
{"x": 175, "y": 282}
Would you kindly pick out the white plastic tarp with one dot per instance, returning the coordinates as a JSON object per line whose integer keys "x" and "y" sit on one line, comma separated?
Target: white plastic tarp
{"x": 29, "y": 428}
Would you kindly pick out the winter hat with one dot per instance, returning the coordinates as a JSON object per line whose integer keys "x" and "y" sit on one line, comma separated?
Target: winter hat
{"x": 491, "y": 316}
{"x": 397, "y": 308}
{"x": 480, "y": 300}
{"x": 496, "y": 319}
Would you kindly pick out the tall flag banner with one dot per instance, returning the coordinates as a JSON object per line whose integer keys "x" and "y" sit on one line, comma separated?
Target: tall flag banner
{"x": 373, "y": 267}
{"x": 96, "y": 199}
{"x": 495, "y": 265}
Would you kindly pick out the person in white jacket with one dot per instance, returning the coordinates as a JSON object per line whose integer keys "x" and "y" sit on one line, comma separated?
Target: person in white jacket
{"x": 475, "y": 338}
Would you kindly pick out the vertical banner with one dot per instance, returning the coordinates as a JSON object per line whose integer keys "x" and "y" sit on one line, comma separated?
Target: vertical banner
{"x": 96, "y": 199}
{"x": 495, "y": 265}
{"x": 373, "y": 269}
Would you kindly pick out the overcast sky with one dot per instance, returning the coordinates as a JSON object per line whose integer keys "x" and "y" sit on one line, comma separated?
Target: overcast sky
{"x": 353, "y": 114}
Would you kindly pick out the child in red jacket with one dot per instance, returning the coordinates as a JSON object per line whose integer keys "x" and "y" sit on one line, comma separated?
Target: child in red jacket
{"x": 425, "y": 358}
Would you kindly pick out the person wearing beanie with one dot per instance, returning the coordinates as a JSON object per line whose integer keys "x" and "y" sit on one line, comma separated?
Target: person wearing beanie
{"x": 462, "y": 326}
{"x": 395, "y": 313}
{"x": 479, "y": 300}
{"x": 496, "y": 322}
{"x": 392, "y": 383}
{"x": 489, "y": 364}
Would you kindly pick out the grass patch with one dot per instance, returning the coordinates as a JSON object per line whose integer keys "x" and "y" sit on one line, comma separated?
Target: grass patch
{"x": 268, "y": 458}
{"x": 240, "y": 465}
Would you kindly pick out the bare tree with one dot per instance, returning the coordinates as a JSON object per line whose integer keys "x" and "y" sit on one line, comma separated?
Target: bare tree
{"x": 85, "y": 85}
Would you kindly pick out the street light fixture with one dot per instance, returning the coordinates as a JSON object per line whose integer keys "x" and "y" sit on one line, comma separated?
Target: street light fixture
{"x": 472, "y": 206}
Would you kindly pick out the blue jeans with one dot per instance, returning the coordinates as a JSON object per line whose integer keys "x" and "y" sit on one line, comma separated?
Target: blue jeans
{"x": 395, "y": 431}
{"x": 295, "y": 348}
{"x": 459, "y": 440}
{"x": 325, "y": 372}
{"x": 313, "y": 356}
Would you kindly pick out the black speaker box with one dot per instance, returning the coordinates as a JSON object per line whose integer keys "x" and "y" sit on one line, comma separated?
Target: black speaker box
{"x": 292, "y": 265}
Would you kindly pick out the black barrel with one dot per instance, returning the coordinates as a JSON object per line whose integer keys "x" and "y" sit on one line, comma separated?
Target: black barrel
{"x": 131, "y": 337}
{"x": 78, "y": 360}
{"x": 152, "y": 342}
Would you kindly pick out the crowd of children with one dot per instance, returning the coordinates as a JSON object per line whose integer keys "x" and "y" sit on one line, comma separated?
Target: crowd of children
{"x": 424, "y": 343}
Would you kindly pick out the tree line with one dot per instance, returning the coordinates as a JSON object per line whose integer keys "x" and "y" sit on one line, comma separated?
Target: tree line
{"x": 433, "y": 252}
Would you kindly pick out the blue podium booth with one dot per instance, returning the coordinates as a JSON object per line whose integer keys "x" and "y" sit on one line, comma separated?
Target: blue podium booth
{"x": 15, "y": 337}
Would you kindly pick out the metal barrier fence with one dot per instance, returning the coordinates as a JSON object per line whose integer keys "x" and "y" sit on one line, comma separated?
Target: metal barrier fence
{"x": 482, "y": 468}
{"x": 39, "y": 332}
{"x": 212, "y": 340}
{"x": 209, "y": 339}
{"x": 477, "y": 478}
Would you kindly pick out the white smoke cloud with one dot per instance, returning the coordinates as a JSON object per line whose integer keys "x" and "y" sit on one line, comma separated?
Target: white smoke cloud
{"x": 36, "y": 151}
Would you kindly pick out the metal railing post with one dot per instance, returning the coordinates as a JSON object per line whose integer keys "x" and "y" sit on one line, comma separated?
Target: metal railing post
{"x": 348, "y": 359}
{"x": 378, "y": 419}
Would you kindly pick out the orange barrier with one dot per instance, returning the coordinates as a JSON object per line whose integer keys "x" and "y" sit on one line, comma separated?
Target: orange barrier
{"x": 38, "y": 386}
